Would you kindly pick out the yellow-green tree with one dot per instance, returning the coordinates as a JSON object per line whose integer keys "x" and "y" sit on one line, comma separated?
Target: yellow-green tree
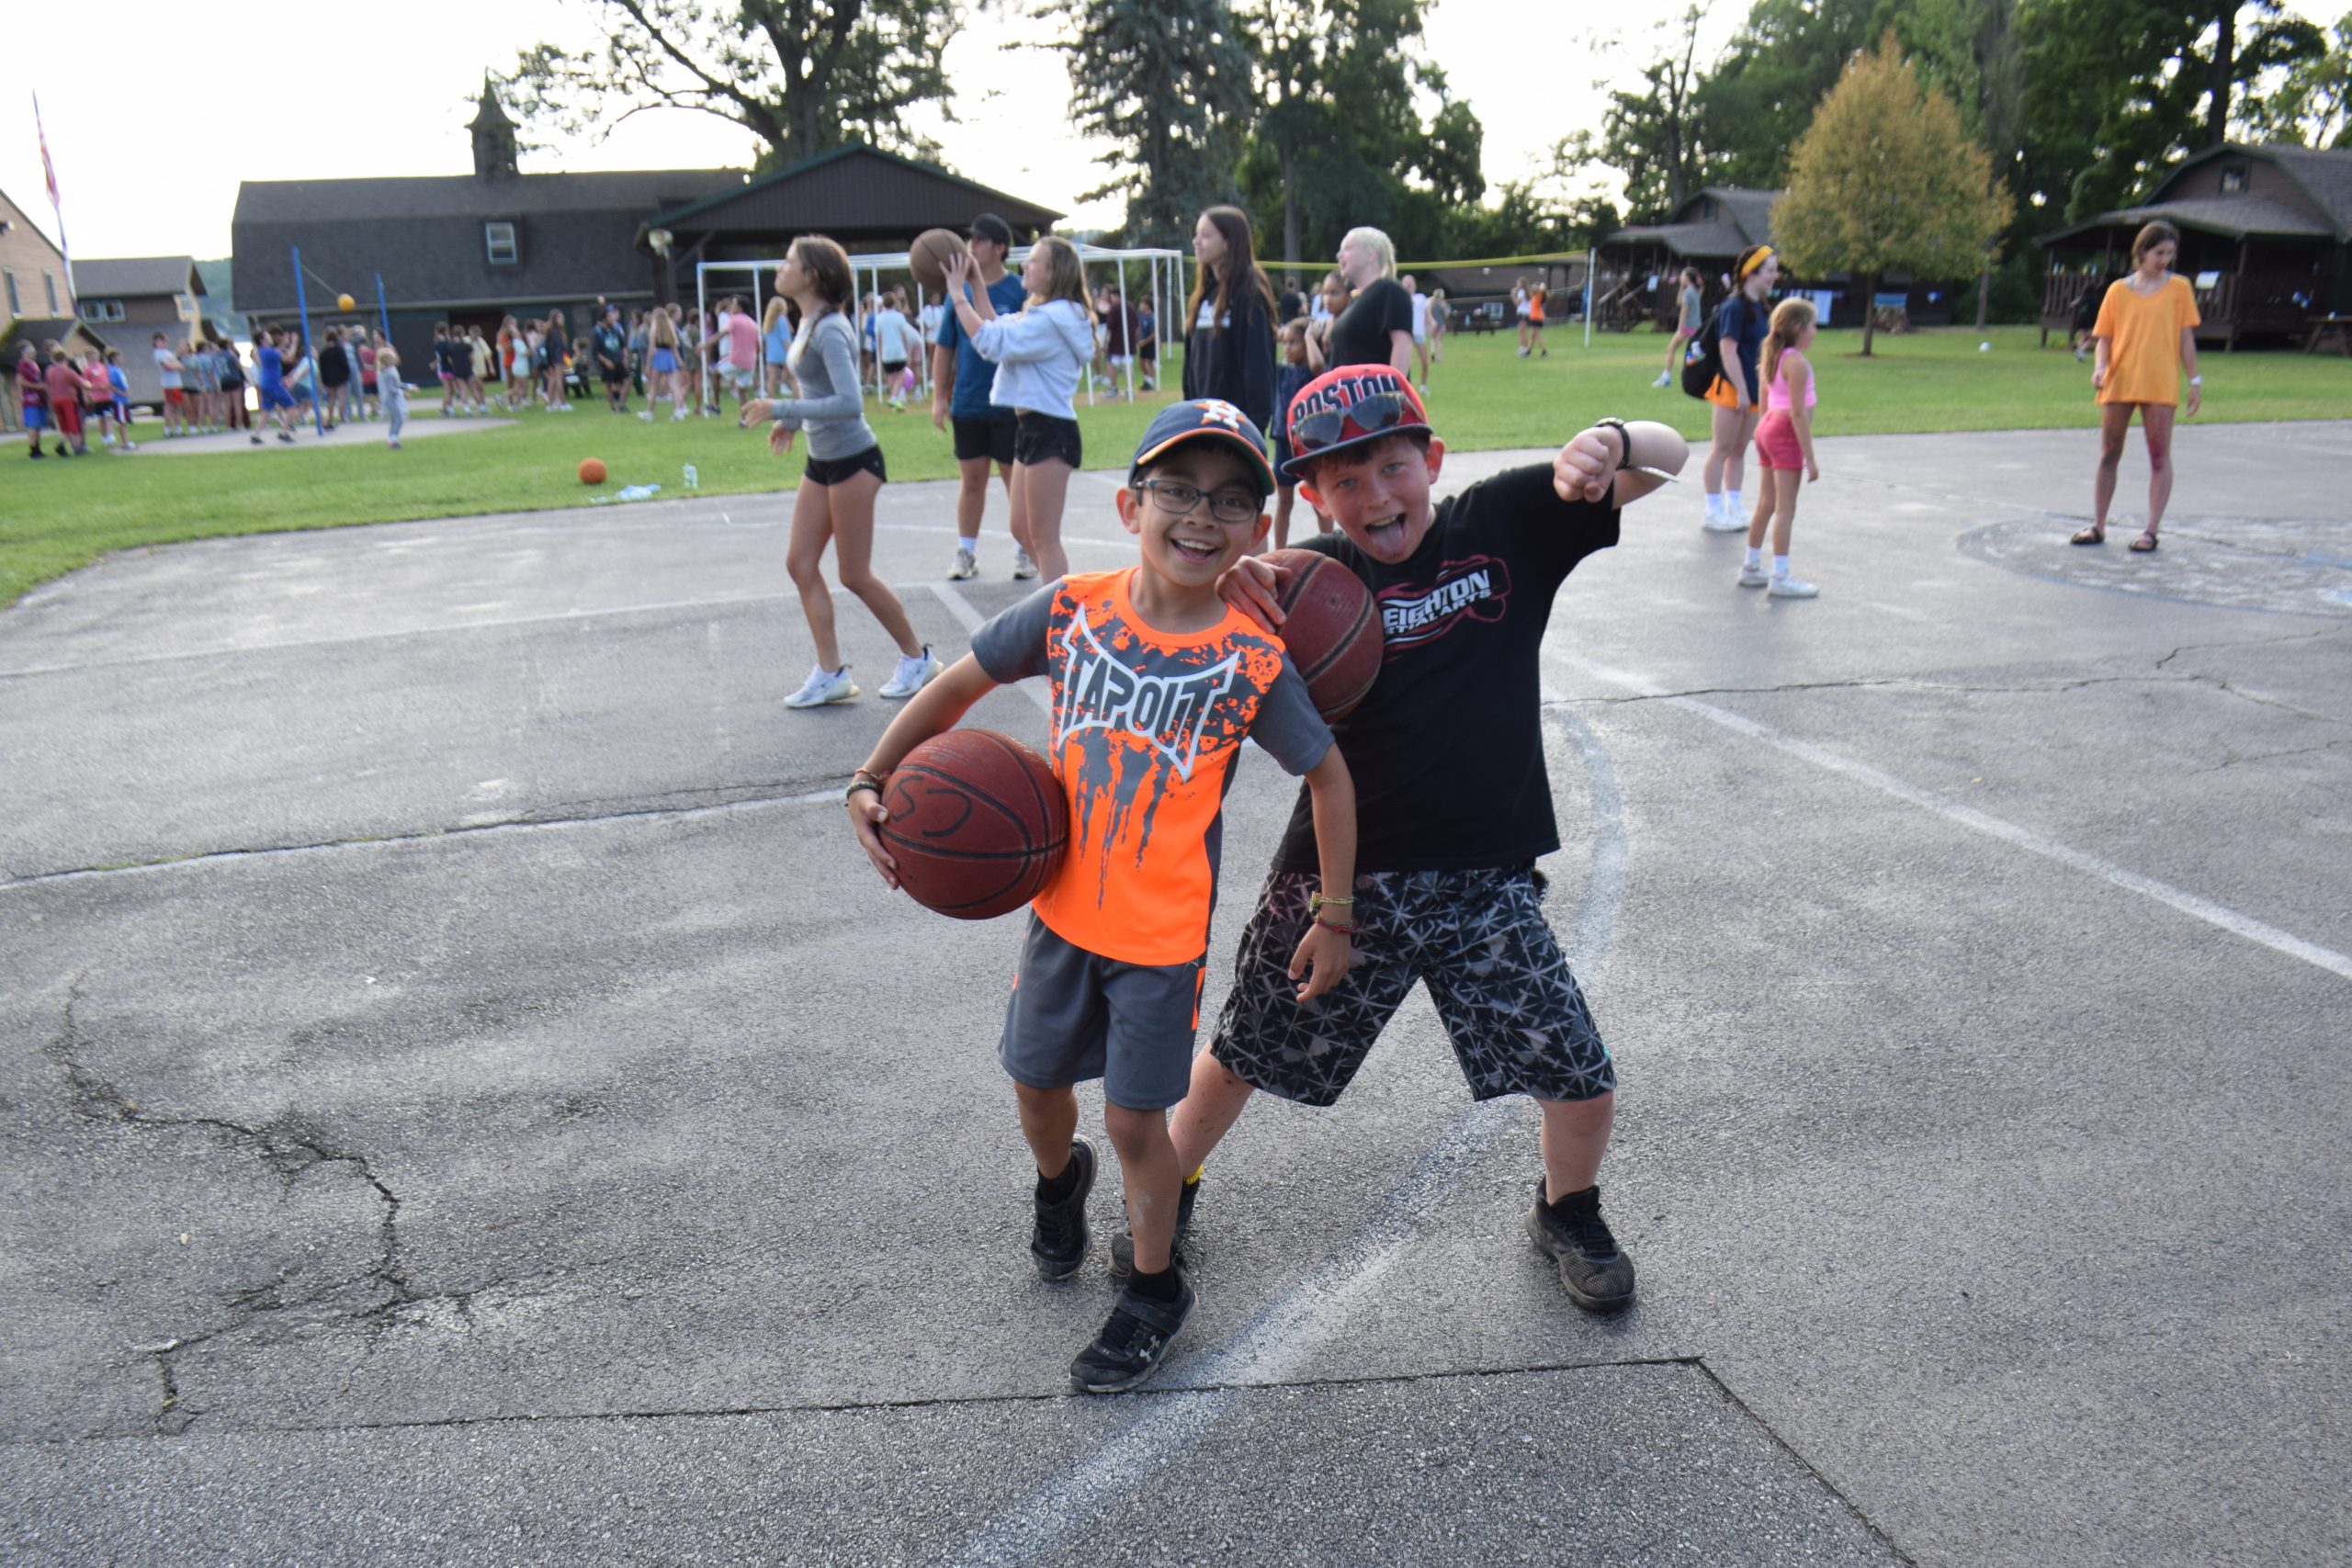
{"x": 1884, "y": 179}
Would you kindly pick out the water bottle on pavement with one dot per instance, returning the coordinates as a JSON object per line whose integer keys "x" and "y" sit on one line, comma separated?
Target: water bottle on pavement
{"x": 693, "y": 480}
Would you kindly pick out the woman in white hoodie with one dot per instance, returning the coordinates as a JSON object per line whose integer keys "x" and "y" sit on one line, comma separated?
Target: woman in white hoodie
{"x": 1039, "y": 356}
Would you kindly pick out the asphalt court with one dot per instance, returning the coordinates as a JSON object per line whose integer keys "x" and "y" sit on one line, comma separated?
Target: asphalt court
{"x": 467, "y": 1096}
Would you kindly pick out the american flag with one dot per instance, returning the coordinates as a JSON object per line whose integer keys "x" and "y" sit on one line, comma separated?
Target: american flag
{"x": 47, "y": 167}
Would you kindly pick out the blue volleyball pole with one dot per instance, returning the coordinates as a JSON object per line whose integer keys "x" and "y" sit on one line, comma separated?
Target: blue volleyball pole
{"x": 302, "y": 307}
{"x": 383, "y": 316}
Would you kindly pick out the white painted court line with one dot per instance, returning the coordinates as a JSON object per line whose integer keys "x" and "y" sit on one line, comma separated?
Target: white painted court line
{"x": 1977, "y": 822}
{"x": 1282, "y": 1338}
{"x": 971, "y": 619}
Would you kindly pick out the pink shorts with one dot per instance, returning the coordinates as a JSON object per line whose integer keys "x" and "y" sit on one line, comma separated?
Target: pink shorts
{"x": 1776, "y": 442}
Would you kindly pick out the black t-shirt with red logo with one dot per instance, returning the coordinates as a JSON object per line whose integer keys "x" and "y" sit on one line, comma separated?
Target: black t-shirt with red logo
{"x": 1447, "y": 750}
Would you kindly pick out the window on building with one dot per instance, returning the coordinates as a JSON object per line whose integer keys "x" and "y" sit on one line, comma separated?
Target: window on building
{"x": 15, "y": 306}
{"x": 102, "y": 309}
{"x": 500, "y": 239}
{"x": 50, "y": 278}
{"x": 2232, "y": 178}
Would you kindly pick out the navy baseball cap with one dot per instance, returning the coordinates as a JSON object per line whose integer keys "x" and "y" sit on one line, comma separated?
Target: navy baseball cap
{"x": 1206, "y": 419}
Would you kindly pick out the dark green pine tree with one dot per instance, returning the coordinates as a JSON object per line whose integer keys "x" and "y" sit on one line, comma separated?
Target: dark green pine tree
{"x": 1167, "y": 83}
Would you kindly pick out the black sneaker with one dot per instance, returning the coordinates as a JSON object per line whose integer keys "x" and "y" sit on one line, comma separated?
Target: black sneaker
{"x": 1123, "y": 1242}
{"x": 1131, "y": 1346}
{"x": 1596, "y": 1274}
{"x": 1060, "y": 1241}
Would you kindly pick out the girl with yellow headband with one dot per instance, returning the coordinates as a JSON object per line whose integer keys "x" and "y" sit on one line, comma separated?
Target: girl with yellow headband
{"x": 1741, "y": 324}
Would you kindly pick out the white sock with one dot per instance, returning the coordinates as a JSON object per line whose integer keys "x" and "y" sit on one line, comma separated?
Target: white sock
{"x": 1715, "y": 504}
{"x": 1755, "y": 554}
{"x": 1780, "y": 565}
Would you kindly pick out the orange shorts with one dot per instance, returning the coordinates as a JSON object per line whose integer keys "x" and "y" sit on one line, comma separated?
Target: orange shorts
{"x": 1725, "y": 394}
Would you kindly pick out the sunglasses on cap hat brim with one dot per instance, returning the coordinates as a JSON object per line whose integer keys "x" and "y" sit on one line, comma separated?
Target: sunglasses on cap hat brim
{"x": 1373, "y": 414}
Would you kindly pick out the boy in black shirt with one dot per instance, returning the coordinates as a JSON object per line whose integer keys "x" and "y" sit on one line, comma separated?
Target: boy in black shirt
{"x": 1451, "y": 898}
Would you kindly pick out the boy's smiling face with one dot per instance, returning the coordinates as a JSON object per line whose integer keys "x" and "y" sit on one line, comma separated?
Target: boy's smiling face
{"x": 1379, "y": 494}
{"x": 1190, "y": 548}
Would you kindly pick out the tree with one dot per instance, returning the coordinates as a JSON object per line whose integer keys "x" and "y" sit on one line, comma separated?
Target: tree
{"x": 1167, "y": 82}
{"x": 803, "y": 76}
{"x": 1650, "y": 133}
{"x": 1341, "y": 139}
{"x": 2118, "y": 89}
{"x": 1758, "y": 101}
{"x": 1884, "y": 179}
{"x": 2313, "y": 104}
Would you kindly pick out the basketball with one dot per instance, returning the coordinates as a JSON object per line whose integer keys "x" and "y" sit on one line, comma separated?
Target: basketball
{"x": 1333, "y": 630}
{"x": 928, "y": 259}
{"x": 592, "y": 470}
{"x": 344, "y": 302}
{"x": 978, "y": 824}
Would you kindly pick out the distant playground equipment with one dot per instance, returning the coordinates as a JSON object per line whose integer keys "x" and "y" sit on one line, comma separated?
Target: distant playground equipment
{"x": 1165, "y": 286}
{"x": 344, "y": 303}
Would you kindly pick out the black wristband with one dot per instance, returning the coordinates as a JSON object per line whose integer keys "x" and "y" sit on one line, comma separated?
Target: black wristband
{"x": 1624, "y": 438}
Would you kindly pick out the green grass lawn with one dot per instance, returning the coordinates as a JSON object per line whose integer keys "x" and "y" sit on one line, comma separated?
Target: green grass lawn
{"x": 56, "y": 516}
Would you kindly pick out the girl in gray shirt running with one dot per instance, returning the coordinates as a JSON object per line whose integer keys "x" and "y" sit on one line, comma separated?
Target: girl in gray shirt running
{"x": 844, "y": 473}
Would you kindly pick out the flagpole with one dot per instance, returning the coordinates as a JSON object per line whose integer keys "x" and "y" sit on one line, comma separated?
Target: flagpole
{"x": 57, "y": 209}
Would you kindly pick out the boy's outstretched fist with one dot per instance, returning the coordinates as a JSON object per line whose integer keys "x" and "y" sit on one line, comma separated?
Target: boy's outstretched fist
{"x": 866, "y": 815}
{"x": 1587, "y": 464}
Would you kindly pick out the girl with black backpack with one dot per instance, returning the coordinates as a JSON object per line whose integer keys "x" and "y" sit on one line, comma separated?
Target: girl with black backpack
{"x": 1735, "y": 348}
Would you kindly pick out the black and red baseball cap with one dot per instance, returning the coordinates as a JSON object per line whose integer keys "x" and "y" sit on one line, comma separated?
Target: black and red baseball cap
{"x": 1351, "y": 406}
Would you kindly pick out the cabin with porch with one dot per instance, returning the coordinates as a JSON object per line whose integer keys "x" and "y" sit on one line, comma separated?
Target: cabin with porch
{"x": 2263, "y": 234}
{"x": 1637, "y": 270}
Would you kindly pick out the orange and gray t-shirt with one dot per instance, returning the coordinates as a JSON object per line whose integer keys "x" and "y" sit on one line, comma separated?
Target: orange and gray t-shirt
{"x": 1146, "y": 727}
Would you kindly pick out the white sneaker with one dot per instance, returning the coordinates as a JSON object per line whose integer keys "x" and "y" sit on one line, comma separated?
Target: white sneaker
{"x": 1024, "y": 569}
{"x": 1723, "y": 520}
{"x": 1792, "y": 588}
{"x": 912, "y": 674}
{"x": 823, "y": 686}
{"x": 966, "y": 567}
{"x": 677, "y": 416}
{"x": 1754, "y": 575}
{"x": 646, "y": 414}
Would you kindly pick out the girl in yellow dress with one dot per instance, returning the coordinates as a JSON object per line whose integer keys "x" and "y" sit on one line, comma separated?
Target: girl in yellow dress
{"x": 2146, "y": 336}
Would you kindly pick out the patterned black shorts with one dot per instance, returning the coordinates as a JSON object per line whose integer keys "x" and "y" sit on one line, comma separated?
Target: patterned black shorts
{"x": 1477, "y": 939}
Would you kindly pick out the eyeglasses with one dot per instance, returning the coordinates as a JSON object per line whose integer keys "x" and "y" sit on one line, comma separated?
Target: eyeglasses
{"x": 1227, "y": 506}
{"x": 1373, "y": 414}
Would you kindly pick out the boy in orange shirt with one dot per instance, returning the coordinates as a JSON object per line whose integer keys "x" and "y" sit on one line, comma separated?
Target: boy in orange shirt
{"x": 1156, "y": 682}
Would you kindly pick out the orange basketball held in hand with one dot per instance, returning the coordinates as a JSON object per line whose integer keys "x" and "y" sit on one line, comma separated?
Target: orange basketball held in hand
{"x": 1332, "y": 634}
{"x": 592, "y": 470}
{"x": 928, "y": 259}
{"x": 978, "y": 823}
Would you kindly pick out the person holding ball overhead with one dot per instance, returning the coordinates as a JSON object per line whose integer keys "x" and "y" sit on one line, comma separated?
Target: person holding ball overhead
{"x": 1039, "y": 352}
{"x": 844, "y": 472}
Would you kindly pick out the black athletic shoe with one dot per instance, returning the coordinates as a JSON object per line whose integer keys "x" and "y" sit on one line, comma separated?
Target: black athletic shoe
{"x": 1131, "y": 1346}
{"x": 1598, "y": 1276}
{"x": 1123, "y": 1242}
{"x": 1059, "y": 1242}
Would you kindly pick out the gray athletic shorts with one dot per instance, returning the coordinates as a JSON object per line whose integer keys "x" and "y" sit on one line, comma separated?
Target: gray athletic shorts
{"x": 1077, "y": 1015}
{"x": 1477, "y": 939}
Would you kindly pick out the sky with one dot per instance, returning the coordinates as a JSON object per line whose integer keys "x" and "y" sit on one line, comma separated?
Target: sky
{"x": 135, "y": 183}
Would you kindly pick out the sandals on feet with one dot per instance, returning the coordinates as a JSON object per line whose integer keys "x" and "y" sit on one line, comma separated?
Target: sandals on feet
{"x": 2143, "y": 544}
{"x": 2089, "y": 536}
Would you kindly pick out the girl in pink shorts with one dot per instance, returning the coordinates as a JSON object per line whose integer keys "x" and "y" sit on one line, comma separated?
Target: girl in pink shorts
{"x": 1783, "y": 449}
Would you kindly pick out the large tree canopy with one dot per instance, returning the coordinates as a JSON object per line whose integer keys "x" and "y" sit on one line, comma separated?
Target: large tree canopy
{"x": 803, "y": 76}
{"x": 1884, "y": 179}
{"x": 1167, "y": 83}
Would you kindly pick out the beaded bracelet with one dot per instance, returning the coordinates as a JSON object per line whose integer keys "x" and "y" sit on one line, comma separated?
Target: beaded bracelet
{"x": 1343, "y": 931}
{"x": 1315, "y": 902}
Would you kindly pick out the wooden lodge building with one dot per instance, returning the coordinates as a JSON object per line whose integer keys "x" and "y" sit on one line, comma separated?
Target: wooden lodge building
{"x": 1638, "y": 269}
{"x": 472, "y": 248}
{"x": 2264, "y": 232}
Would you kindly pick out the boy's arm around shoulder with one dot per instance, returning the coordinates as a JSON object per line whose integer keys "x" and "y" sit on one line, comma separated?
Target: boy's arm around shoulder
{"x": 1327, "y": 949}
{"x": 934, "y": 710}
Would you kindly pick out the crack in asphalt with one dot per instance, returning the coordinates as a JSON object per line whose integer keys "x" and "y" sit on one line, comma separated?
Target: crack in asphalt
{"x": 937, "y": 1401}
{"x": 2252, "y": 642}
{"x": 290, "y": 1150}
{"x": 1877, "y": 1533}
{"x": 829, "y": 792}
